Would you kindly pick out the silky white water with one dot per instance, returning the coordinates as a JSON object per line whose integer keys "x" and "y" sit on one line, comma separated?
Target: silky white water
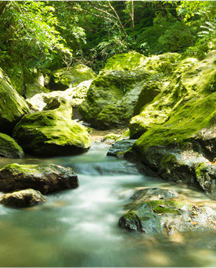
{"x": 79, "y": 228}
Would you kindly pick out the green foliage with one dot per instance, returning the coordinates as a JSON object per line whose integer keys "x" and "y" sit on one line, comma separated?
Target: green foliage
{"x": 28, "y": 32}
{"x": 43, "y": 35}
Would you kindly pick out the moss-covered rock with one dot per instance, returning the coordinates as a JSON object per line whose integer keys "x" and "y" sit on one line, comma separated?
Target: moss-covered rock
{"x": 71, "y": 77}
{"x": 155, "y": 211}
{"x": 178, "y": 126}
{"x": 183, "y": 100}
{"x": 52, "y": 132}
{"x": 45, "y": 178}
{"x": 127, "y": 82}
{"x": 22, "y": 198}
{"x": 74, "y": 95}
{"x": 12, "y": 105}
{"x": 9, "y": 147}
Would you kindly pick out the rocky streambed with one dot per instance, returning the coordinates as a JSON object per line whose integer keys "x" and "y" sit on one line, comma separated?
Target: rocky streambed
{"x": 158, "y": 114}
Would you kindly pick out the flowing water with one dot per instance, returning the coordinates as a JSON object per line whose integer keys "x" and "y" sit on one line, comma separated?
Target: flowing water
{"x": 79, "y": 228}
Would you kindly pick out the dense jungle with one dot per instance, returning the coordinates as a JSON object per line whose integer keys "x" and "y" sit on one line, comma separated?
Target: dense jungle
{"x": 108, "y": 133}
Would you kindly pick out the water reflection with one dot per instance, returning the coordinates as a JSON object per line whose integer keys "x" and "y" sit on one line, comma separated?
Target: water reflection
{"x": 78, "y": 228}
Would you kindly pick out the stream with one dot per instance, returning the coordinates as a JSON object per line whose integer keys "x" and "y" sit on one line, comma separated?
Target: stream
{"x": 79, "y": 228}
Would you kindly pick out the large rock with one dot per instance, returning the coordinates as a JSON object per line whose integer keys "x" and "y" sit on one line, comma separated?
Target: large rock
{"x": 127, "y": 82}
{"x": 178, "y": 126}
{"x": 12, "y": 106}
{"x": 22, "y": 198}
{"x": 75, "y": 95}
{"x": 45, "y": 178}
{"x": 9, "y": 147}
{"x": 157, "y": 211}
{"x": 52, "y": 132}
{"x": 71, "y": 77}
{"x": 183, "y": 93}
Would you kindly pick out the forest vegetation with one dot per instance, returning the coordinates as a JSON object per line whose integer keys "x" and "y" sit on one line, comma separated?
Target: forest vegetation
{"x": 142, "y": 72}
{"x": 48, "y": 35}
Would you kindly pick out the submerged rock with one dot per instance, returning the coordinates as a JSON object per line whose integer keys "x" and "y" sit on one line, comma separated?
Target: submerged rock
{"x": 9, "y": 147}
{"x": 22, "y": 198}
{"x": 152, "y": 213}
{"x": 71, "y": 77}
{"x": 52, "y": 132}
{"x": 45, "y": 178}
{"x": 12, "y": 106}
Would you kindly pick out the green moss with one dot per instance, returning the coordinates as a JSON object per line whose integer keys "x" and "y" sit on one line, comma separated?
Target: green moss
{"x": 111, "y": 136}
{"x": 52, "y": 132}
{"x": 9, "y": 148}
{"x": 183, "y": 102}
{"x": 125, "y": 61}
{"x": 162, "y": 206}
{"x": 131, "y": 215}
{"x": 73, "y": 76}
{"x": 12, "y": 106}
{"x": 164, "y": 63}
{"x": 184, "y": 124}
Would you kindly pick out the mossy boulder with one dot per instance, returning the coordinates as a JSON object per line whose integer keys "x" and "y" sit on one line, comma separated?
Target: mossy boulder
{"x": 71, "y": 77}
{"x": 45, "y": 178}
{"x": 9, "y": 147}
{"x": 22, "y": 198}
{"x": 177, "y": 129}
{"x": 182, "y": 99}
{"x": 157, "y": 211}
{"x": 52, "y": 132}
{"x": 12, "y": 106}
{"x": 127, "y": 82}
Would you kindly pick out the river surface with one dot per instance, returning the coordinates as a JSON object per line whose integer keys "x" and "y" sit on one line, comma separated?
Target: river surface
{"x": 79, "y": 228}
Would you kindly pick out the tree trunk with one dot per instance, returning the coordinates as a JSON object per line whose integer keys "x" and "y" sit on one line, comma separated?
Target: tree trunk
{"x": 118, "y": 19}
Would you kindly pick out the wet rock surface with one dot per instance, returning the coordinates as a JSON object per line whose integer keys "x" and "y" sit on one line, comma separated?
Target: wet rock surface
{"x": 120, "y": 146}
{"x": 45, "y": 178}
{"x": 159, "y": 211}
{"x": 22, "y": 198}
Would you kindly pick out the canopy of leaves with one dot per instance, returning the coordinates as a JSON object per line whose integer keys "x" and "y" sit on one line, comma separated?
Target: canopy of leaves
{"x": 55, "y": 34}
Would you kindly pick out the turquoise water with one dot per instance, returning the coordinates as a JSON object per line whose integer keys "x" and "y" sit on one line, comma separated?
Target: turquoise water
{"x": 79, "y": 228}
